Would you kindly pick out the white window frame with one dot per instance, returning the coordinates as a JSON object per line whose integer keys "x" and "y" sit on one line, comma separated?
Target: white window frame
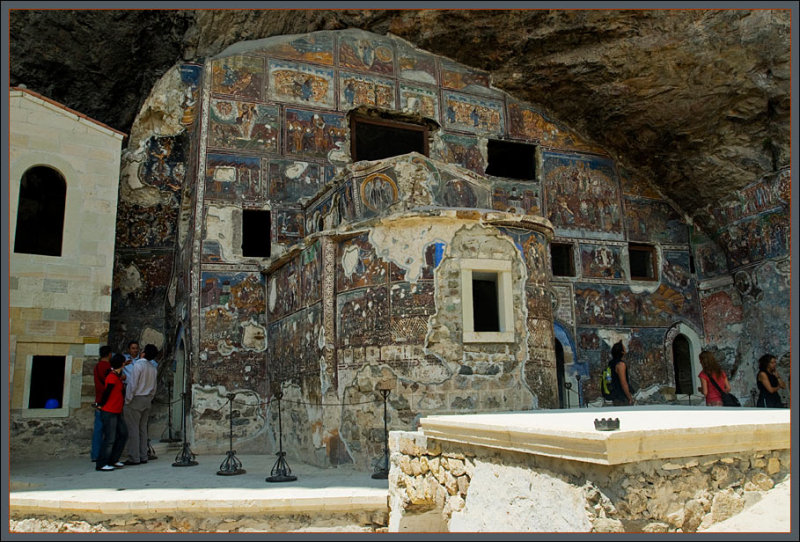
{"x": 63, "y": 410}
{"x": 505, "y": 304}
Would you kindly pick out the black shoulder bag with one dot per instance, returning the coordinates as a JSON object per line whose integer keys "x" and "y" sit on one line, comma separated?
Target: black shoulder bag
{"x": 728, "y": 399}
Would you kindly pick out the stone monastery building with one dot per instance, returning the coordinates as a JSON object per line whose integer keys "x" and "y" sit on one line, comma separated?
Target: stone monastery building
{"x": 333, "y": 213}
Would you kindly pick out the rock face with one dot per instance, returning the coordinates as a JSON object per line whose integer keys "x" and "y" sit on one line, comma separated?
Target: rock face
{"x": 696, "y": 101}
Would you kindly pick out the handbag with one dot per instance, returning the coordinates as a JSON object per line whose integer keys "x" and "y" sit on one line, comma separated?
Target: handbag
{"x": 728, "y": 399}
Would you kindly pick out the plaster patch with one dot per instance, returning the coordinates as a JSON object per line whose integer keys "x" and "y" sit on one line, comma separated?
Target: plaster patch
{"x": 219, "y": 224}
{"x": 273, "y": 294}
{"x": 350, "y": 260}
{"x": 131, "y": 280}
{"x": 254, "y": 336}
{"x": 152, "y": 336}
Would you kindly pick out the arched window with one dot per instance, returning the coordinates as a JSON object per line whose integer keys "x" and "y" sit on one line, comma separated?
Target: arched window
{"x": 682, "y": 363}
{"x": 40, "y": 213}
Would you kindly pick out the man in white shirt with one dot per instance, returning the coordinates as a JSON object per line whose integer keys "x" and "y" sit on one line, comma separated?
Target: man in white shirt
{"x": 139, "y": 392}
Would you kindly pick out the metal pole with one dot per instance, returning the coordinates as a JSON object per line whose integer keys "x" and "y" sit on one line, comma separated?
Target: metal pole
{"x": 231, "y": 465}
{"x": 185, "y": 457}
{"x": 280, "y": 470}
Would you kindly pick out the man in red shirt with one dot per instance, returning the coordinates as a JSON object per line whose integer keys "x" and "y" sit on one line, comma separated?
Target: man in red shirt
{"x": 115, "y": 432}
{"x": 101, "y": 371}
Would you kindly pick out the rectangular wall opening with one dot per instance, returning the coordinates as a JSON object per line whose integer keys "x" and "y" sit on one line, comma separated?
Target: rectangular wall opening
{"x": 511, "y": 160}
{"x": 642, "y": 260}
{"x": 47, "y": 382}
{"x": 485, "y": 309}
{"x": 561, "y": 260}
{"x": 256, "y": 233}
{"x": 375, "y": 139}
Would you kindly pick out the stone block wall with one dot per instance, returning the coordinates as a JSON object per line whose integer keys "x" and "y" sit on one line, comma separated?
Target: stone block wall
{"x": 437, "y": 485}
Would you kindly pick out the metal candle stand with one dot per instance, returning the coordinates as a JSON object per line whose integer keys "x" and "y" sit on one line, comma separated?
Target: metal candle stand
{"x": 169, "y": 415}
{"x": 382, "y": 472}
{"x": 185, "y": 457}
{"x": 568, "y": 386}
{"x": 231, "y": 466}
{"x": 280, "y": 470}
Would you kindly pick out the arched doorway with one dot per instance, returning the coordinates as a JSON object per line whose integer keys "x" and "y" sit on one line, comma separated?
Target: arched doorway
{"x": 682, "y": 364}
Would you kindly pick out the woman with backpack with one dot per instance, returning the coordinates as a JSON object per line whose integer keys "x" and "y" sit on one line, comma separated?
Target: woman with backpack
{"x": 712, "y": 370}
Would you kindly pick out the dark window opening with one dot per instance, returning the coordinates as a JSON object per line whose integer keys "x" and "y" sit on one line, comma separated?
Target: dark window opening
{"x": 511, "y": 160}
{"x": 47, "y": 382}
{"x": 256, "y": 233}
{"x": 561, "y": 259}
{"x": 486, "y": 316}
{"x": 642, "y": 262}
{"x": 681, "y": 362}
{"x": 40, "y": 213}
{"x": 375, "y": 139}
{"x": 691, "y": 264}
{"x": 560, "y": 380}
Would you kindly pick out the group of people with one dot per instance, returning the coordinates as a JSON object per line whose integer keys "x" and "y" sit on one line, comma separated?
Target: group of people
{"x": 125, "y": 385}
{"x": 767, "y": 380}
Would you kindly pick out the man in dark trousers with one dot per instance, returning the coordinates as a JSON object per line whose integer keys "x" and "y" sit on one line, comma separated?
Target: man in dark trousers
{"x": 101, "y": 371}
{"x": 115, "y": 432}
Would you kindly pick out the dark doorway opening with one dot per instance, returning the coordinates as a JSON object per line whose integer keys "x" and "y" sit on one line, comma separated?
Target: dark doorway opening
{"x": 47, "y": 382}
{"x": 682, "y": 363}
{"x": 486, "y": 316}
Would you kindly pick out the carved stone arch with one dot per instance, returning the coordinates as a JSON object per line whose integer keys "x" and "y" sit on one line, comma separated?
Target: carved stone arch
{"x": 695, "y": 346}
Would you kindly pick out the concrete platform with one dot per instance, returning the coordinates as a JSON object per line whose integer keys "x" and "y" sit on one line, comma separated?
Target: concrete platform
{"x": 72, "y": 488}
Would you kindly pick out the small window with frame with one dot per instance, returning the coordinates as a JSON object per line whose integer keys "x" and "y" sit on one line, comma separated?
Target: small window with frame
{"x": 642, "y": 262}
{"x": 47, "y": 387}
{"x": 562, "y": 261}
{"x": 486, "y": 301}
{"x": 378, "y": 138}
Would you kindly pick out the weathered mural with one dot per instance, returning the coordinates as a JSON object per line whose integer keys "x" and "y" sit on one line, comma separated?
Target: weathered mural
{"x": 415, "y": 65}
{"x": 421, "y": 100}
{"x": 233, "y": 177}
{"x": 313, "y": 134}
{"x": 316, "y": 48}
{"x": 246, "y": 126}
{"x": 361, "y": 89}
{"x": 654, "y": 221}
{"x": 305, "y": 84}
{"x": 756, "y": 238}
{"x": 290, "y": 180}
{"x": 367, "y": 54}
{"x": 463, "y": 112}
{"x": 525, "y": 122}
{"x": 462, "y": 150}
{"x": 601, "y": 261}
{"x": 238, "y": 76}
{"x": 520, "y": 198}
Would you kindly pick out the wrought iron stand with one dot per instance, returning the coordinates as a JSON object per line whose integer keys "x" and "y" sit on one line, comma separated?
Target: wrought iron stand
{"x": 382, "y": 471}
{"x": 169, "y": 415}
{"x": 231, "y": 466}
{"x": 185, "y": 457}
{"x": 280, "y": 470}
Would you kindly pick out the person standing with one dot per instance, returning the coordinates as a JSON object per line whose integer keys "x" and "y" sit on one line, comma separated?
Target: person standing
{"x": 769, "y": 382}
{"x": 115, "y": 432}
{"x": 622, "y": 392}
{"x": 712, "y": 370}
{"x": 130, "y": 356}
{"x": 139, "y": 393}
{"x": 101, "y": 371}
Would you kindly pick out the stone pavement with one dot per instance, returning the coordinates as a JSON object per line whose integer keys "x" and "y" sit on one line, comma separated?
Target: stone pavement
{"x": 339, "y": 499}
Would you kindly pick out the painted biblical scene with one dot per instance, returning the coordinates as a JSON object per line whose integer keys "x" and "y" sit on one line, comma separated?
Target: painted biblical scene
{"x": 358, "y": 265}
{"x": 285, "y": 290}
{"x": 362, "y": 89}
{"x": 311, "y": 262}
{"x": 362, "y": 317}
{"x": 631, "y": 186}
{"x": 232, "y": 303}
{"x": 378, "y": 191}
{"x": 316, "y": 48}
{"x": 289, "y": 224}
{"x": 522, "y": 198}
{"x": 463, "y": 112}
{"x": 302, "y": 84}
{"x": 654, "y": 221}
{"x": 525, "y": 122}
{"x": 233, "y": 177}
{"x": 423, "y": 101}
{"x": 462, "y": 150}
{"x": 601, "y": 261}
{"x": 369, "y": 55}
{"x": 294, "y": 345}
{"x": 314, "y": 134}
{"x": 414, "y": 65}
{"x": 459, "y": 77}
{"x": 238, "y": 76}
{"x": 756, "y": 238}
{"x": 290, "y": 180}
{"x": 153, "y": 226}
{"x": 245, "y": 126}
{"x": 459, "y": 192}
{"x": 190, "y": 78}
{"x": 164, "y": 163}
{"x": 582, "y": 195}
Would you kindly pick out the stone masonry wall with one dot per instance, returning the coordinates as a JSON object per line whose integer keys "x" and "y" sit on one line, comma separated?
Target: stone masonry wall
{"x": 442, "y": 486}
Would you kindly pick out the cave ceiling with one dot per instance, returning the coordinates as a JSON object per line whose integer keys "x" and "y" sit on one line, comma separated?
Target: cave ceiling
{"x": 696, "y": 101}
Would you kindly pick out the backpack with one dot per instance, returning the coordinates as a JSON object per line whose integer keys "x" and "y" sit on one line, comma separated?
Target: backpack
{"x": 607, "y": 383}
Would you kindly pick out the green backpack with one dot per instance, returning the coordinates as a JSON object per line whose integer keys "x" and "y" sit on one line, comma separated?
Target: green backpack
{"x": 607, "y": 383}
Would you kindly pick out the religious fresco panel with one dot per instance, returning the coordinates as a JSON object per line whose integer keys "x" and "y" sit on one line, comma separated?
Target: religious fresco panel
{"x": 459, "y": 192}
{"x": 645, "y": 358}
{"x": 635, "y": 187}
{"x": 311, "y": 262}
{"x": 423, "y": 101}
{"x": 305, "y": 84}
{"x": 362, "y": 317}
{"x": 335, "y": 207}
{"x": 294, "y": 349}
{"x": 361, "y": 89}
{"x": 525, "y": 122}
{"x": 288, "y": 224}
{"x": 285, "y": 290}
{"x": 655, "y": 222}
{"x": 723, "y": 314}
{"x": 563, "y": 304}
{"x": 412, "y": 299}
{"x": 601, "y": 261}
{"x": 238, "y": 76}
{"x": 414, "y": 65}
{"x": 239, "y": 370}
{"x": 244, "y": 126}
{"x": 153, "y": 226}
{"x": 212, "y": 252}
{"x": 582, "y": 194}
{"x": 316, "y": 48}
{"x": 459, "y": 77}
{"x": 369, "y": 55}
{"x": 291, "y": 180}
{"x": 522, "y": 198}
{"x": 164, "y": 162}
{"x": 752, "y": 200}
{"x": 140, "y": 283}
{"x": 191, "y": 75}
{"x": 233, "y": 177}
{"x": 314, "y": 134}
{"x": 377, "y": 191}
{"x": 532, "y": 246}
{"x": 539, "y": 301}
{"x": 358, "y": 266}
{"x": 461, "y": 150}
{"x": 229, "y": 303}
{"x": 467, "y": 113}
{"x": 756, "y": 238}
